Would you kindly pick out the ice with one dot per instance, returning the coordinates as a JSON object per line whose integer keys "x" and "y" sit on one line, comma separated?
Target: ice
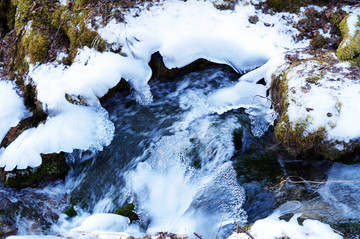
{"x": 342, "y": 191}
{"x": 12, "y": 108}
{"x": 90, "y": 76}
{"x": 77, "y": 127}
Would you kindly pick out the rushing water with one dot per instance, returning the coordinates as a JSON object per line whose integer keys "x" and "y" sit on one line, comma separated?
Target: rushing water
{"x": 186, "y": 169}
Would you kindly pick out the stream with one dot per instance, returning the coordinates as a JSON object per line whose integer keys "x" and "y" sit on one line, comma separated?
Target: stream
{"x": 187, "y": 169}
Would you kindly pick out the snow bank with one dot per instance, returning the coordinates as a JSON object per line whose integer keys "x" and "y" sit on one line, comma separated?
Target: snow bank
{"x": 203, "y": 32}
{"x": 272, "y": 227}
{"x": 12, "y": 108}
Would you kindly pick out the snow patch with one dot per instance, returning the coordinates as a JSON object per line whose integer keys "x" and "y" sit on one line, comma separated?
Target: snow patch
{"x": 272, "y": 227}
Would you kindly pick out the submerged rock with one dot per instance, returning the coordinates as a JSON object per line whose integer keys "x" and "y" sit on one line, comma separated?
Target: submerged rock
{"x": 317, "y": 101}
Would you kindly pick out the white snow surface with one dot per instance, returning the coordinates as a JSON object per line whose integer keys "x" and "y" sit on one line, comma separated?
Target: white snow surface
{"x": 272, "y": 227}
{"x": 12, "y": 108}
{"x": 203, "y": 32}
{"x": 353, "y": 21}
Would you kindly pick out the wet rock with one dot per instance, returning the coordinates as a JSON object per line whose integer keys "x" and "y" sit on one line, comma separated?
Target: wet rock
{"x": 160, "y": 71}
{"x": 127, "y": 211}
{"x": 53, "y": 167}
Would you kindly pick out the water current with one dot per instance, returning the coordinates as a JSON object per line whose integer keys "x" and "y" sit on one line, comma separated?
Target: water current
{"x": 186, "y": 169}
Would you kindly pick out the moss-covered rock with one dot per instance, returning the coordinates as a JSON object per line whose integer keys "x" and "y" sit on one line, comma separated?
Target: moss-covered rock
{"x": 305, "y": 126}
{"x": 53, "y": 166}
{"x": 127, "y": 211}
{"x": 71, "y": 212}
{"x": 349, "y": 48}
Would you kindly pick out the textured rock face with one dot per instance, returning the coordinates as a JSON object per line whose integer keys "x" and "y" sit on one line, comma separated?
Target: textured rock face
{"x": 317, "y": 101}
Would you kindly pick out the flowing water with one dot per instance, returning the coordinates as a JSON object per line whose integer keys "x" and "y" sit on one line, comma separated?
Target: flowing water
{"x": 186, "y": 169}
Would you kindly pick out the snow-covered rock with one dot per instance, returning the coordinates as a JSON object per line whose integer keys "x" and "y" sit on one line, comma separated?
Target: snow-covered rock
{"x": 317, "y": 99}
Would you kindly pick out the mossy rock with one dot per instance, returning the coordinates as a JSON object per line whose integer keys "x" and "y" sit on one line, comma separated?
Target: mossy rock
{"x": 306, "y": 133}
{"x": 349, "y": 48}
{"x": 71, "y": 212}
{"x": 127, "y": 211}
{"x": 53, "y": 166}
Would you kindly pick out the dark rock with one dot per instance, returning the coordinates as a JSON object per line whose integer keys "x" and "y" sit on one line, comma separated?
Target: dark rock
{"x": 71, "y": 212}
{"x": 253, "y": 19}
{"x": 128, "y": 211}
{"x": 53, "y": 166}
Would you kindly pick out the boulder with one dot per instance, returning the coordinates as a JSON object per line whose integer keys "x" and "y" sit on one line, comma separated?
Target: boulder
{"x": 316, "y": 98}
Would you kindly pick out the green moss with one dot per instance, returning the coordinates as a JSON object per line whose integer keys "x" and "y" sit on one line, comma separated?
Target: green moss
{"x": 296, "y": 139}
{"x": 71, "y": 212}
{"x": 318, "y": 42}
{"x": 313, "y": 79}
{"x": 349, "y": 48}
{"x": 226, "y": 5}
{"x": 36, "y": 46}
{"x": 295, "y": 136}
{"x": 53, "y": 166}
{"x": 76, "y": 100}
{"x": 127, "y": 211}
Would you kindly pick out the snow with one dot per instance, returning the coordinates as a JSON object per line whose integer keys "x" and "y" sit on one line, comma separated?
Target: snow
{"x": 338, "y": 94}
{"x": 103, "y": 221}
{"x": 203, "y": 32}
{"x": 34, "y": 237}
{"x": 352, "y": 22}
{"x": 12, "y": 108}
{"x": 77, "y": 127}
{"x": 272, "y": 227}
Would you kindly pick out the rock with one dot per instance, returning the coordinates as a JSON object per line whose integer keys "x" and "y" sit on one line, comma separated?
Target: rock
{"x": 53, "y": 166}
{"x": 253, "y": 19}
{"x": 127, "y": 211}
{"x": 317, "y": 114}
{"x": 349, "y": 48}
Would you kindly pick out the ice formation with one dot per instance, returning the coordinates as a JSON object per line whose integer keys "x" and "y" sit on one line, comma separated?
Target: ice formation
{"x": 12, "y": 108}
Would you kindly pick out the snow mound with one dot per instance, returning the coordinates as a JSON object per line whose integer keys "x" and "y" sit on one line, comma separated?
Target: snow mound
{"x": 272, "y": 227}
